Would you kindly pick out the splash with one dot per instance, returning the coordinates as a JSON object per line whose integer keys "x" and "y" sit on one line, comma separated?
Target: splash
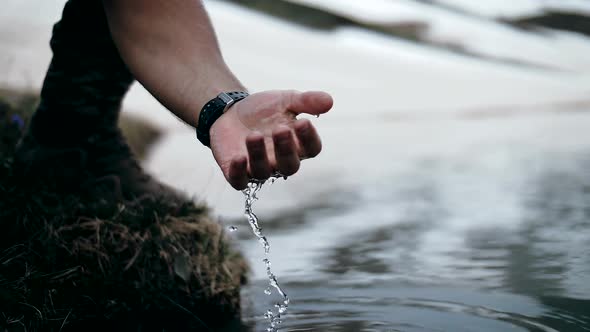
{"x": 274, "y": 317}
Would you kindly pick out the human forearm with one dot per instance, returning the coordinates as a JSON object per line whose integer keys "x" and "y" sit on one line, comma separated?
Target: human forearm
{"x": 170, "y": 47}
{"x": 172, "y": 50}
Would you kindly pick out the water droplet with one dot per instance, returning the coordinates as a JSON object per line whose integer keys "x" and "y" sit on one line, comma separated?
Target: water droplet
{"x": 267, "y": 291}
{"x": 232, "y": 228}
{"x": 317, "y": 116}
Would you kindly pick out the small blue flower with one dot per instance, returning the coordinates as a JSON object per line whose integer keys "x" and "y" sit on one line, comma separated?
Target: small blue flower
{"x": 16, "y": 119}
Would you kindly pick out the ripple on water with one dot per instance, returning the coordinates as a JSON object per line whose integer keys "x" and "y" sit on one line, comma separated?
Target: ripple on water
{"x": 390, "y": 306}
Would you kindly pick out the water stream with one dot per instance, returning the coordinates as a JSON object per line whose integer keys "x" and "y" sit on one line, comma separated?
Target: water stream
{"x": 250, "y": 193}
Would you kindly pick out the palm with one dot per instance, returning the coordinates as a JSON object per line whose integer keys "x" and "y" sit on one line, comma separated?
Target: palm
{"x": 261, "y": 135}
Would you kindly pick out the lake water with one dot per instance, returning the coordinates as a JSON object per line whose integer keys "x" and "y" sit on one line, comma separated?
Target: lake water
{"x": 492, "y": 235}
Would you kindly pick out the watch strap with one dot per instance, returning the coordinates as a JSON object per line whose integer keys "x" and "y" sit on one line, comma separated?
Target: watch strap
{"x": 215, "y": 109}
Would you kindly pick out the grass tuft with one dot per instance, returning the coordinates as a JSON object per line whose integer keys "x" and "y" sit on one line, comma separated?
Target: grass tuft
{"x": 69, "y": 263}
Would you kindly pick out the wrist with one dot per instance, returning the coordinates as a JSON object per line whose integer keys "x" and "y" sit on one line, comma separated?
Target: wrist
{"x": 213, "y": 110}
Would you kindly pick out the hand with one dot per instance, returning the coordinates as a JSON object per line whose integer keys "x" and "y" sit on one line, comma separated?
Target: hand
{"x": 260, "y": 135}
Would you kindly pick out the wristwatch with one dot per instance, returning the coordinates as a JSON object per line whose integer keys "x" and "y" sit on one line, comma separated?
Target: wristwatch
{"x": 213, "y": 110}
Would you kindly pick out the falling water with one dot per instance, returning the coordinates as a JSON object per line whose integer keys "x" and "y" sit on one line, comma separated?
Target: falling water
{"x": 250, "y": 193}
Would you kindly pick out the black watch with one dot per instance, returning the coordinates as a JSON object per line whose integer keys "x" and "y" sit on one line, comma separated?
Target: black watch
{"x": 213, "y": 110}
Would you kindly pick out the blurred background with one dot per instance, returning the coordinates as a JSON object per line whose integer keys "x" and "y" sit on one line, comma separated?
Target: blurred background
{"x": 453, "y": 192}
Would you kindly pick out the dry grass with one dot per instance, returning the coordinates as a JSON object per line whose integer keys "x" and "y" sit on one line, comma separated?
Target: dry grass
{"x": 73, "y": 264}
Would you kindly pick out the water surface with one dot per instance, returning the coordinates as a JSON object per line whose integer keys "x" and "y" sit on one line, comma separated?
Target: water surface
{"x": 492, "y": 235}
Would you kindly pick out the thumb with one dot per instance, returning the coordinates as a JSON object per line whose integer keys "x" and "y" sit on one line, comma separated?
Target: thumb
{"x": 310, "y": 102}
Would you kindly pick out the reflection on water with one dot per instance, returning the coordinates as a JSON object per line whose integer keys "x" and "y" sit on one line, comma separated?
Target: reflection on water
{"x": 448, "y": 244}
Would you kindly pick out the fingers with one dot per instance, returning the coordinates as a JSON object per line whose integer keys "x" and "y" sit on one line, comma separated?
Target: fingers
{"x": 286, "y": 155}
{"x": 257, "y": 158}
{"x": 311, "y": 102}
{"x": 309, "y": 140}
{"x": 237, "y": 175}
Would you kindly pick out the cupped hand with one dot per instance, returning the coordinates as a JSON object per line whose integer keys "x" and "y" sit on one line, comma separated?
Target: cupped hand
{"x": 261, "y": 135}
